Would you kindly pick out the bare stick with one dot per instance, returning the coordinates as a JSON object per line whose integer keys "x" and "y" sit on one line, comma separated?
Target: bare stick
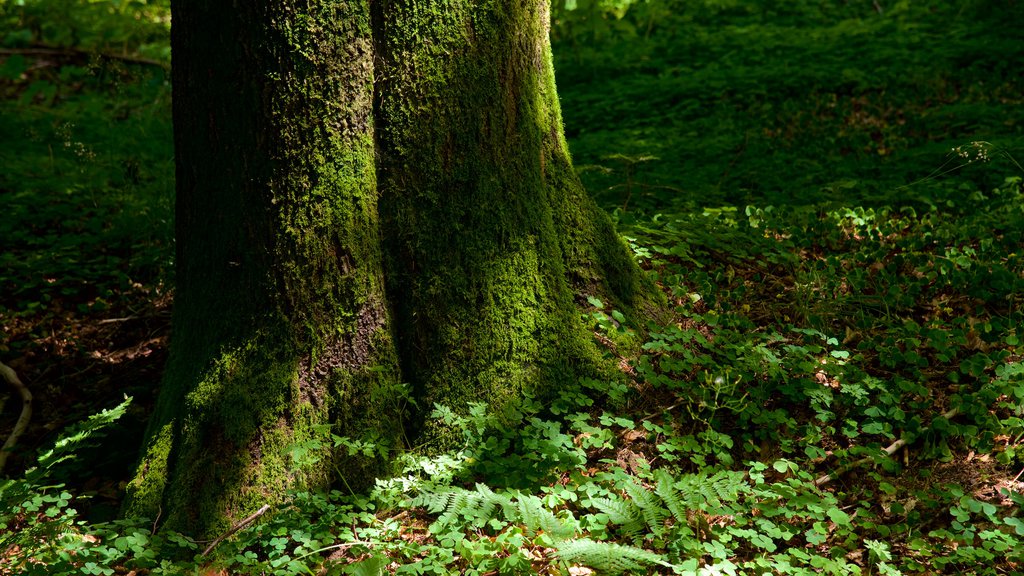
{"x": 341, "y": 546}
{"x": 889, "y": 451}
{"x": 245, "y": 522}
{"x": 113, "y": 320}
{"x": 26, "y": 411}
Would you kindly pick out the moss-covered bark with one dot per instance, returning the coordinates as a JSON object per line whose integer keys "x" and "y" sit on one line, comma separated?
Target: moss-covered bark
{"x": 295, "y": 121}
{"x": 489, "y": 233}
{"x": 281, "y": 333}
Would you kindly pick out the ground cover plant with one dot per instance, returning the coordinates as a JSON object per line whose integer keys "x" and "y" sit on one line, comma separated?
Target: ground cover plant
{"x": 705, "y": 103}
{"x": 829, "y": 194}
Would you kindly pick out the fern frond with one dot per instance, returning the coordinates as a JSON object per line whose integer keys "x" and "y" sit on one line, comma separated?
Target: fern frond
{"x": 459, "y": 507}
{"x": 654, "y": 514}
{"x": 433, "y": 501}
{"x": 725, "y": 486}
{"x": 458, "y": 500}
{"x": 623, "y": 513}
{"x": 485, "y": 500}
{"x": 606, "y": 557}
{"x": 537, "y": 518}
{"x": 673, "y": 499}
{"x": 709, "y": 492}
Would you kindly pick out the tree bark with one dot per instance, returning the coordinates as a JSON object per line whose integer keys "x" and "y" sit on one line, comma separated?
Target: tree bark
{"x": 489, "y": 232}
{"x": 295, "y": 122}
{"x": 280, "y": 329}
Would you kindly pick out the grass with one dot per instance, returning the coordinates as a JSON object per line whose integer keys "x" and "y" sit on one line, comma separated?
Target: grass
{"x": 829, "y": 194}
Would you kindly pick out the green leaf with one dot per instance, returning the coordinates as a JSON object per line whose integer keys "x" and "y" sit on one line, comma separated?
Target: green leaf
{"x": 839, "y": 517}
{"x": 13, "y": 67}
{"x": 1016, "y": 523}
{"x": 783, "y": 466}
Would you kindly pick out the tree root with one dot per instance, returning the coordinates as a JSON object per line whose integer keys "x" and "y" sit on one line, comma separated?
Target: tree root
{"x": 889, "y": 451}
{"x": 11, "y": 377}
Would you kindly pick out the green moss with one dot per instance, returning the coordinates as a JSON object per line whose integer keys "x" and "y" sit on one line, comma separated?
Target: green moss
{"x": 280, "y": 312}
{"x": 145, "y": 491}
{"x": 490, "y": 235}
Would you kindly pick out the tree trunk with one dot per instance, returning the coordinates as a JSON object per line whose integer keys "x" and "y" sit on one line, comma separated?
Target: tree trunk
{"x": 489, "y": 232}
{"x": 281, "y": 332}
{"x": 287, "y": 116}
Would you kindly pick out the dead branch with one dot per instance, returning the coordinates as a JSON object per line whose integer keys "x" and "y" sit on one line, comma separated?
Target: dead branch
{"x": 245, "y": 522}
{"x": 889, "y": 451}
{"x": 26, "y": 411}
{"x": 79, "y": 53}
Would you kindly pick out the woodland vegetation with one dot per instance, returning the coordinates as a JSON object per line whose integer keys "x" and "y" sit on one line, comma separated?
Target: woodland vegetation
{"x": 829, "y": 195}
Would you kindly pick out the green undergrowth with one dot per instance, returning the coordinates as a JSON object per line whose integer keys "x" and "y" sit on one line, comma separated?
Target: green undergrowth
{"x": 748, "y": 439}
{"x": 85, "y": 141}
{"x": 707, "y": 102}
{"x": 87, "y": 186}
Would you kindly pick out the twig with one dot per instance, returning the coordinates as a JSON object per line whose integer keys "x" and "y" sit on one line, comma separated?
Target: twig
{"x": 146, "y": 316}
{"x": 337, "y": 547}
{"x": 26, "y": 411}
{"x": 263, "y": 510}
{"x": 156, "y": 521}
{"x": 115, "y": 320}
{"x": 889, "y": 451}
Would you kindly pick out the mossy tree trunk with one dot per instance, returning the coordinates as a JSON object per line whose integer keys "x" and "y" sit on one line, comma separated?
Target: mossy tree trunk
{"x": 489, "y": 232}
{"x": 280, "y": 330}
{"x": 295, "y": 122}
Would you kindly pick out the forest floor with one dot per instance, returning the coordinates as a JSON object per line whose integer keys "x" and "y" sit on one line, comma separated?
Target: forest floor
{"x": 830, "y": 194}
{"x": 87, "y": 191}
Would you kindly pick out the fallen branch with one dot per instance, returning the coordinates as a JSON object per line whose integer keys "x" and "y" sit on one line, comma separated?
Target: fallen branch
{"x": 245, "y": 522}
{"x": 889, "y": 451}
{"x": 26, "y": 411}
{"x": 79, "y": 53}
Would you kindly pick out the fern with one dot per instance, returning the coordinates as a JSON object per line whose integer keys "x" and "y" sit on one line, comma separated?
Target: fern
{"x": 537, "y": 518}
{"x": 461, "y": 507}
{"x": 458, "y": 506}
{"x": 670, "y": 497}
{"x": 486, "y": 503}
{"x": 608, "y": 558}
{"x": 673, "y": 499}
{"x": 459, "y": 502}
{"x": 618, "y": 511}
{"x": 710, "y": 492}
{"x": 433, "y": 501}
{"x": 622, "y": 513}
{"x": 649, "y": 504}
